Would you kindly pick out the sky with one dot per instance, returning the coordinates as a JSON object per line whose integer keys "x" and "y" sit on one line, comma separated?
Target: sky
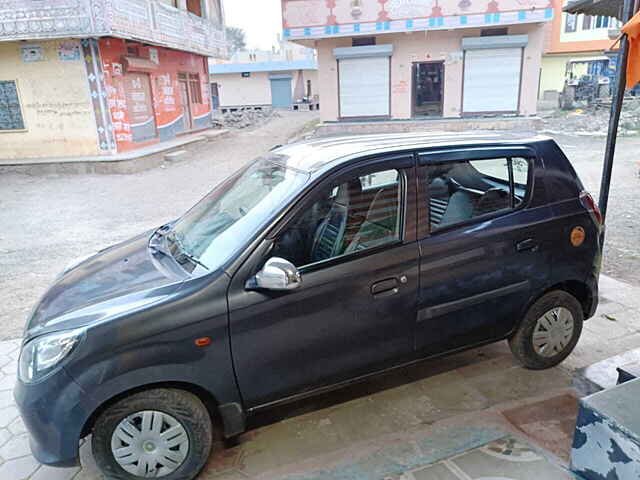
{"x": 260, "y": 19}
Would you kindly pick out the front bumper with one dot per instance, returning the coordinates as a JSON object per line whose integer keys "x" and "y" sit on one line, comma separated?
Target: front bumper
{"x": 54, "y": 412}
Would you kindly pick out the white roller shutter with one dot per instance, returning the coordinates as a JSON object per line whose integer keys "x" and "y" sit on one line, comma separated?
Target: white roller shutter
{"x": 364, "y": 87}
{"x": 492, "y": 80}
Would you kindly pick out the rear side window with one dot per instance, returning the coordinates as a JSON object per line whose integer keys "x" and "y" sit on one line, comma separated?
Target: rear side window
{"x": 462, "y": 191}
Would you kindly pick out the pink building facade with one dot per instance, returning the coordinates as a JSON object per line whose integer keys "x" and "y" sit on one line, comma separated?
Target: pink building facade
{"x": 404, "y": 59}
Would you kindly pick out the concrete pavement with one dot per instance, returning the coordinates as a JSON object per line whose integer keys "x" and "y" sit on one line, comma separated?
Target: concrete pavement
{"x": 470, "y": 415}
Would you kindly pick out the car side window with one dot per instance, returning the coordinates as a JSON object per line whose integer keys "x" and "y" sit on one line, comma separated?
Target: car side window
{"x": 461, "y": 191}
{"x": 352, "y": 215}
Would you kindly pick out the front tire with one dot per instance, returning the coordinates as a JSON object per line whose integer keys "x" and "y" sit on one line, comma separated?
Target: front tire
{"x": 160, "y": 433}
{"x": 549, "y": 332}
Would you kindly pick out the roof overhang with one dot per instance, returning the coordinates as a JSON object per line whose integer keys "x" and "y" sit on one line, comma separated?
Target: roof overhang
{"x": 607, "y": 8}
{"x": 276, "y": 66}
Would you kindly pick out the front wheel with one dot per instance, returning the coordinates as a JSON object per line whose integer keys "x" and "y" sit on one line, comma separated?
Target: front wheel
{"x": 549, "y": 332}
{"x": 160, "y": 433}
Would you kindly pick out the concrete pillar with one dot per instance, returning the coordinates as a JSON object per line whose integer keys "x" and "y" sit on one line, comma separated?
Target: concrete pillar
{"x": 182, "y": 4}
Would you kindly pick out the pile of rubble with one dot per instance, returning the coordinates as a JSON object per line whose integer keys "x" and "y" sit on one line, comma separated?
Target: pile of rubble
{"x": 245, "y": 117}
{"x": 593, "y": 121}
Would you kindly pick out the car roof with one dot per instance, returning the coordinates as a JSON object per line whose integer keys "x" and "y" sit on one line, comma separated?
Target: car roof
{"x": 314, "y": 155}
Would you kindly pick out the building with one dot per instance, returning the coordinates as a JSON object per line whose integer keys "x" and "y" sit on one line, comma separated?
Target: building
{"x": 99, "y": 77}
{"x": 284, "y": 77}
{"x": 402, "y": 59}
{"x": 572, "y": 38}
{"x": 277, "y": 84}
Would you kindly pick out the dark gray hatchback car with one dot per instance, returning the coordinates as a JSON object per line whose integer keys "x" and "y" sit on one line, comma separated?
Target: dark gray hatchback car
{"x": 317, "y": 265}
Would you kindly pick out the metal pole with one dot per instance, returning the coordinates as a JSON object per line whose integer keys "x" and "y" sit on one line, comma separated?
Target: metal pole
{"x": 616, "y": 108}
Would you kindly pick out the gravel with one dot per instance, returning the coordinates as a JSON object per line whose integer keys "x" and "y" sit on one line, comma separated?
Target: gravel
{"x": 593, "y": 121}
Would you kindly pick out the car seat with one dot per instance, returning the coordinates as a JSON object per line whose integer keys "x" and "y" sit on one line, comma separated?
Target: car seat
{"x": 329, "y": 239}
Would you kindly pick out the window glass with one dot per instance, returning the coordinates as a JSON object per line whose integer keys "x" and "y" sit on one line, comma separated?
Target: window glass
{"x": 570, "y": 23}
{"x": 10, "y": 110}
{"x": 351, "y": 216}
{"x": 228, "y": 217}
{"x": 461, "y": 191}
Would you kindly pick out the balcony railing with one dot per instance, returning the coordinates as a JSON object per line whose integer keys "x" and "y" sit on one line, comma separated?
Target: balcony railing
{"x": 144, "y": 20}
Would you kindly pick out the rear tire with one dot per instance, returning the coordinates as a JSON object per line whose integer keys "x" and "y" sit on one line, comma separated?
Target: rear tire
{"x": 160, "y": 433}
{"x": 568, "y": 98}
{"x": 549, "y": 332}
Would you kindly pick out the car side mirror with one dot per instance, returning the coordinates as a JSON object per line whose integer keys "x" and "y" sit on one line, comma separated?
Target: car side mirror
{"x": 277, "y": 274}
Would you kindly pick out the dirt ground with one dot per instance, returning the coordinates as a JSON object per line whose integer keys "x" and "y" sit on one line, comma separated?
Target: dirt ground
{"x": 49, "y": 220}
{"x": 622, "y": 245}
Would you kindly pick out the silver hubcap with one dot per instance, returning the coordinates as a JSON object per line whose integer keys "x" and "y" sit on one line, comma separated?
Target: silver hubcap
{"x": 553, "y": 332}
{"x": 150, "y": 444}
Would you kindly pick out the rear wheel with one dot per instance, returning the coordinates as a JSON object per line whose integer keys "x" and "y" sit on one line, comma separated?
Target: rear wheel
{"x": 161, "y": 433}
{"x": 549, "y": 332}
{"x": 568, "y": 98}
{"x": 604, "y": 91}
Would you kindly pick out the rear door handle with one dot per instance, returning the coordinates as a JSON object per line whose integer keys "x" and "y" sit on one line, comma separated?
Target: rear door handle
{"x": 526, "y": 245}
{"x": 385, "y": 288}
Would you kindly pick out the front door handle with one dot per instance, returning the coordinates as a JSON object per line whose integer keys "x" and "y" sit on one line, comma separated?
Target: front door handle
{"x": 526, "y": 245}
{"x": 384, "y": 288}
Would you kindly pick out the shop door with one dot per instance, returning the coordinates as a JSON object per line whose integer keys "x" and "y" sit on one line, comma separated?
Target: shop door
{"x": 186, "y": 103}
{"x": 492, "y": 80}
{"x": 215, "y": 97}
{"x": 140, "y": 106}
{"x": 428, "y": 89}
{"x": 364, "y": 87}
{"x": 281, "y": 92}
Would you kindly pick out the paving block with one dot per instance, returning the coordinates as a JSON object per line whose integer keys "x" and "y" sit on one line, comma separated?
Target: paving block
{"x": 17, "y": 427}
{"x": 4, "y": 436}
{"x": 8, "y": 415}
{"x": 7, "y": 382}
{"x": 6, "y": 398}
{"x": 18, "y": 469}
{"x": 16, "y": 447}
{"x": 51, "y": 473}
{"x": 7, "y": 347}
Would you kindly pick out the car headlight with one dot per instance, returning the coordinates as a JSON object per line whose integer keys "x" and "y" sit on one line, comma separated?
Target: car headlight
{"x": 41, "y": 356}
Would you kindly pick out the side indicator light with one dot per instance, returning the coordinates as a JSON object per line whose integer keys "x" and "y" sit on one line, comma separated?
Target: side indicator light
{"x": 203, "y": 342}
{"x": 577, "y": 236}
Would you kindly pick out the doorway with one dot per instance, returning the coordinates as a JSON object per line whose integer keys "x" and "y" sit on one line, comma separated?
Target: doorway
{"x": 187, "y": 120}
{"x": 428, "y": 89}
{"x": 137, "y": 87}
{"x": 215, "y": 97}
{"x": 281, "y": 95}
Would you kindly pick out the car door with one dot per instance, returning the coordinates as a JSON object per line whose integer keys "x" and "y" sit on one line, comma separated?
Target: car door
{"x": 355, "y": 309}
{"x": 484, "y": 249}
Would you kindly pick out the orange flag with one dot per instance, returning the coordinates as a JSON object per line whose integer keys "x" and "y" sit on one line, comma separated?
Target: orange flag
{"x": 632, "y": 29}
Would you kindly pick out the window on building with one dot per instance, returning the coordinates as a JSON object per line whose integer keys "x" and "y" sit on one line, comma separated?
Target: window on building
{"x": 363, "y": 41}
{"x": 602, "y": 22}
{"x": 10, "y": 111}
{"x": 195, "y": 7}
{"x": 587, "y": 21}
{"x": 133, "y": 51}
{"x": 354, "y": 215}
{"x": 462, "y": 191}
{"x": 493, "y": 32}
{"x": 571, "y": 22}
{"x": 195, "y": 89}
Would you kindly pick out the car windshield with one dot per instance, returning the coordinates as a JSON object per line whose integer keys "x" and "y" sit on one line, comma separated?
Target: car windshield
{"x": 228, "y": 218}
